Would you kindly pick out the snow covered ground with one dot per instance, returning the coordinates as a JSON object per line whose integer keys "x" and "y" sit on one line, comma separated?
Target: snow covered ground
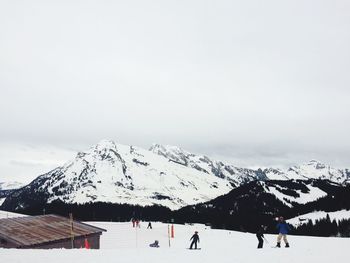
{"x": 122, "y": 243}
{"x": 5, "y": 214}
{"x": 317, "y": 215}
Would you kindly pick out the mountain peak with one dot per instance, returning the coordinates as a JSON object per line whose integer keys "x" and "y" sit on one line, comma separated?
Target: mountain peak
{"x": 165, "y": 148}
{"x": 105, "y": 144}
{"x": 173, "y": 153}
{"x": 314, "y": 161}
{"x": 316, "y": 164}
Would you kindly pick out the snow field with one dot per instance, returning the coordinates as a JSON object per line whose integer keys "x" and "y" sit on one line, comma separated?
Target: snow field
{"x": 317, "y": 215}
{"x": 122, "y": 243}
{"x": 5, "y": 214}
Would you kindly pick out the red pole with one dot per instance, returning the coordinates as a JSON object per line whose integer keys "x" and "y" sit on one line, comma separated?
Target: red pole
{"x": 172, "y": 231}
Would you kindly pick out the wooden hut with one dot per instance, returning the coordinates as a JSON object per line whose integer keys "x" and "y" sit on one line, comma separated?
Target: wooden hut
{"x": 48, "y": 231}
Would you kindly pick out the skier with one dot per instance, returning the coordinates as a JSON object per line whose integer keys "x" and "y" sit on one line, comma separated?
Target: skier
{"x": 149, "y": 225}
{"x": 195, "y": 239}
{"x": 260, "y": 236}
{"x": 154, "y": 244}
{"x": 283, "y": 230}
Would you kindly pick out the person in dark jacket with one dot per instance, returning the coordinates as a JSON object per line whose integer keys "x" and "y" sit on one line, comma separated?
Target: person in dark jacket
{"x": 260, "y": 236}
{"x": 154, "y": 244}
{"x": 195, "y": 239}
{"x": 149, "y": 225}
{"x": 283, "y": 230}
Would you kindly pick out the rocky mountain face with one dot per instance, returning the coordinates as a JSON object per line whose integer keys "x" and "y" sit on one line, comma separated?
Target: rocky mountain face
{"x": 237, "y": 176}
{"x": 163, "y": 175}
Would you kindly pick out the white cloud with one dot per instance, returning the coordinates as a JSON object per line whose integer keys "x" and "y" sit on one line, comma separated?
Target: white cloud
{"x": 248, "y": 75}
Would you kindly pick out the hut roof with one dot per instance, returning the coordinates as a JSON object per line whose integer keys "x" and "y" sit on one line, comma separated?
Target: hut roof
{"x": 33, "y": 230}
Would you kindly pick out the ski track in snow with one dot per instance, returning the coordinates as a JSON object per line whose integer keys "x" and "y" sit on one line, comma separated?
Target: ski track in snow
{"x": 122, "y": 243}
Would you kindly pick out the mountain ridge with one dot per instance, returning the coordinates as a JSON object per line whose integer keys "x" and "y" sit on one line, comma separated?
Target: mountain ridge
{"x": 163, "y": 175}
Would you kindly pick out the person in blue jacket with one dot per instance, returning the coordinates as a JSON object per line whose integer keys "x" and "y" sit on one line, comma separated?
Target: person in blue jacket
{"x": 283, "y": 230}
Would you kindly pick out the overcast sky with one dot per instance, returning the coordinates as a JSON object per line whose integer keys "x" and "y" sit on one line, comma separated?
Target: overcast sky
{"x": 258, "y": 83}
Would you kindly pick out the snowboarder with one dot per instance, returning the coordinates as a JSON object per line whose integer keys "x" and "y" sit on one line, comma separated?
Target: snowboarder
{"x": 283, "y": 230}
{"x": 149, "y": 225}
{"x": 260, "y": 236}
{"x": 195, "y": 239}
{"x": 154, "y": 244}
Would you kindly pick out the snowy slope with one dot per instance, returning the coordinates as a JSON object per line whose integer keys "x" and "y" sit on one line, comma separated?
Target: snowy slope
{"x": 317, "y": 215}
{"x": 122, "y": 243}
{"x": 299, "y": 196}
{"x": 275, "y": 174}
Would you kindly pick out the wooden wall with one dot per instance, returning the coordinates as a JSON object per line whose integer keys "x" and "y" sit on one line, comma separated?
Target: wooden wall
{"x": 79, "y": 242}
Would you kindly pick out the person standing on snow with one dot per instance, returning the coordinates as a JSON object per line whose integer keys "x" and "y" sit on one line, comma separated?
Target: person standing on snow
{"x": 260, "y": 236}
{"x": 195, "y": 239}
{"x": 283, "y": 230}
{"x": 149, "y": 225}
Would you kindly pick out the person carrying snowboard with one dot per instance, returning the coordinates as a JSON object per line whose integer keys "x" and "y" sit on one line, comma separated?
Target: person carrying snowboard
{"x": 260, "y": 236}
{"x": 195, "y": 239}
{"x": 283, "y": 230}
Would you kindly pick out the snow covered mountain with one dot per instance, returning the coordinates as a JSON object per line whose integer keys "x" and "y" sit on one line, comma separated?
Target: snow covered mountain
{"x": 115, "y": 173}
{"x": 318, "y": 170}
{"x": 233, "y": 174}
{"x": 163, "y": 175}
{"x": 311, "y": 170}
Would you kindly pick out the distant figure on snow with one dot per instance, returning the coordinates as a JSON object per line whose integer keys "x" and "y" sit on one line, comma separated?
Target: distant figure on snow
{"x": 260, "y": 235}
{"x": 149, "y": 225}
{"x": 154, "y": 244}
{"x": 138, "y": 223}
{"x": 195, "y": 239}
{"x": 283, "y": 230}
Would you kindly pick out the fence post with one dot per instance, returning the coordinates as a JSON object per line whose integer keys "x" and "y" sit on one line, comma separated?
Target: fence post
{"x": 169, "y": 234}
{"x": 71, "y": 229}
